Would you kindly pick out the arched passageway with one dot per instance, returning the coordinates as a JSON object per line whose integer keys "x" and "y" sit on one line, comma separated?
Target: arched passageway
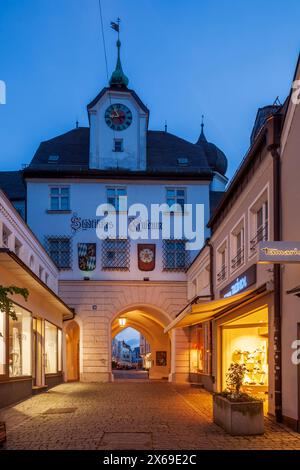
{"x": 72, "y": 351}
{"x": 150, "y": 323}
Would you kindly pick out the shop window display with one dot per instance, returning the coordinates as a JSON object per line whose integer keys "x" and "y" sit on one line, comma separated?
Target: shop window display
{"x": 246, "y": 342}
{"x": 200, "y": 354}
{"x": 20, "y": 343}
{"x": 51, "y": 349}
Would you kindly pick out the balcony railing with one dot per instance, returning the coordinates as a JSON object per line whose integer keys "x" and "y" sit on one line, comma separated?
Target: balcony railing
{"x": 238, "y": 260}
{"x": 261, "y": 235}
{"x": 222, "y": 273}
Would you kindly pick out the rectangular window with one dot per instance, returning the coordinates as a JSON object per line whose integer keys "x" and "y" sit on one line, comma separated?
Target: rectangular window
{"x": 113, "y": 197}
{"x": 118, "y": 145}
{"x": 116, "y": 254}
{"x": 222, "y": 262}
{"x": 5, "y": 236}
{"x": 238, "y": 247}
{"x": 2, "y": 343}
{"x": 175, "y": 256}
{"x": 176, "y": 196}
{"x": 20, "y": 343}
{"x": 59, "y": 198}
{"x": 59, "y": 250}
{"x": 260, "y": 225}
{"x": 18, "y": 247}
{"x": 51, "y": 348}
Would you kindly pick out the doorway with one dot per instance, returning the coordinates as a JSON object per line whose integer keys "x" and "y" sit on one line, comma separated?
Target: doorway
{"x": 72, "y": 351}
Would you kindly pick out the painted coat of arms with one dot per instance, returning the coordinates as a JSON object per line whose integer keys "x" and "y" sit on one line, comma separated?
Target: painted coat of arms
{"x": 146, "y": 257}
{"x": 87, "y": 256}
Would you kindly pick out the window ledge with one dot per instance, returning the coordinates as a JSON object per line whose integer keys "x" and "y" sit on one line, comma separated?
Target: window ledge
{"x": 49, "y": 211}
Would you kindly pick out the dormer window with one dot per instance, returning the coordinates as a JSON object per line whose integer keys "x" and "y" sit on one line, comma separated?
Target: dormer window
{"x": 53, "y": 158}
{"x": 182, "y": 161}
{"x": 118, "y": 145}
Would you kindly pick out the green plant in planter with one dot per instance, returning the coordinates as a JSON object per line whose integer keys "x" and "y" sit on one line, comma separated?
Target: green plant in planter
{"x": 234, "y": 378}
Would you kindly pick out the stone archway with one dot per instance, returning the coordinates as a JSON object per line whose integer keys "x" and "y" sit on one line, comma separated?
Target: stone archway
{"x": 150, "y": 322}
{"x": 72, "y": 351}
{"x": 99, "y": 303}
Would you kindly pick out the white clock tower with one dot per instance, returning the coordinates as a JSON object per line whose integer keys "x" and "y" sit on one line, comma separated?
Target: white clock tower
{"x": 118, "y": 125}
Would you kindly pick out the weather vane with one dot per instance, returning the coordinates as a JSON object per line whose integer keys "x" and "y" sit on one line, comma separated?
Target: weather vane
{"x": 116, "y": 26}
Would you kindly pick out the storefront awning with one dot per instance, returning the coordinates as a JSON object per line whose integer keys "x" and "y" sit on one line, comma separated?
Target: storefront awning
{"x": 199, "y": 313}
{"x": 25, "y": 277}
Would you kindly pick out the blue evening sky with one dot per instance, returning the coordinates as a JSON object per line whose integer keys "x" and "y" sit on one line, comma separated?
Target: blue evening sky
{"x": 129, "y": 334}
{"x": 184, "y": 58}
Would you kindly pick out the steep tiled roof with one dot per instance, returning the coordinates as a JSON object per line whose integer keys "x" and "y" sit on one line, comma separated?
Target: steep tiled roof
{"x": 11, "y": 182}
{"x": 165, "y": 152}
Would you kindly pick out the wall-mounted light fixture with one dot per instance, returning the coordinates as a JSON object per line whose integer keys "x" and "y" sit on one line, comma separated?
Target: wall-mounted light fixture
{"x": 122, "y": 322}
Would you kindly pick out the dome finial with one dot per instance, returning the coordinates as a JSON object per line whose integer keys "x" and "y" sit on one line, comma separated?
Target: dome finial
{"x": 202, "y": 137}
{"x": 118, "y": 77}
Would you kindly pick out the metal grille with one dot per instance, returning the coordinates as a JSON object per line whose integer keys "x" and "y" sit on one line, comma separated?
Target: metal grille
{"x": 59, "y": 250}
{"x": 175, "y": 256}
{"x": 116, "y": 255}
{"x": 261, "y": 235}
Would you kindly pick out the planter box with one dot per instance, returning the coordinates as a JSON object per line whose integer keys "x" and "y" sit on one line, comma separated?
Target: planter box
{"x": 238, "y": 419}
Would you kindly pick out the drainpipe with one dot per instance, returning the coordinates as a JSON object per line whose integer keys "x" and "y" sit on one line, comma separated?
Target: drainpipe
{"x": 274, "y": 132}
{"x": 212, "y": 296}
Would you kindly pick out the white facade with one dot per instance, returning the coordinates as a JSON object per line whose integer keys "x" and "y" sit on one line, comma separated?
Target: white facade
{"x": 16, "y": 236}
{"x": 85, "y": 196}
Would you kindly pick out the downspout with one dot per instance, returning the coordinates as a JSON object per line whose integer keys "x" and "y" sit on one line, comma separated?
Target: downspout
{"x": 274, "y": 132}
{"x": 212, "y": 296}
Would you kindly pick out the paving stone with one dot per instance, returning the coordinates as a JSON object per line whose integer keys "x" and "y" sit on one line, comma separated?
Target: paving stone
{"x": 129, "y": 415}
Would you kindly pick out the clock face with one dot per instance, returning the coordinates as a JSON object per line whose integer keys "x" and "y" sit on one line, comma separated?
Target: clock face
{"x": 118, "y": 117}
{"x": 146, "y": 255}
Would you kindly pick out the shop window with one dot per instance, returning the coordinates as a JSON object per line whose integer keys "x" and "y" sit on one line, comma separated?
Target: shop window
{"x": 59, "y": 250}
{"x": 200, "y": 349}
{"x": 116, "y": 254}
{"x": 113, "y": 197}
{"x": 59, "y": 198}
{"x": 197, "y": 351}
{"x": 176, "y": 196}
{"x": 245, "y": 341}
{"x": 20, "y": 343}
{"x": 51, "y": 348}
{"x": 175, "y": 256}
{"x": 2, "y": 343}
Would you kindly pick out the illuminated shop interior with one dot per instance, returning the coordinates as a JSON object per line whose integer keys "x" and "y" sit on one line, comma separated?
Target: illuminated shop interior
{"x": 245, "y": 341}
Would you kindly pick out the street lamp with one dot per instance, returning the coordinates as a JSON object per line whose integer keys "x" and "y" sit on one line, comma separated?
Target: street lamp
{"x": 122, "y": 322}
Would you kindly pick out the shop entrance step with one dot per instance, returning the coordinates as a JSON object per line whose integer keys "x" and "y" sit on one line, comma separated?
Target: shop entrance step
{"x": 196, "y": 385}
{"x": 36, "y": 389}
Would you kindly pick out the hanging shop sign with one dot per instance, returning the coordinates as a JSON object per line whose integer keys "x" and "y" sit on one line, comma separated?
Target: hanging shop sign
{"x": 240, "y": 283}
{"x": 146, "y": 257}
{"x": 87, "y": 256}
{"x": 279, "y": 252}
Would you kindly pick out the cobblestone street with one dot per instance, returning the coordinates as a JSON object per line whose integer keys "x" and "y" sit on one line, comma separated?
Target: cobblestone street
{"x": 128, "y": 415}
